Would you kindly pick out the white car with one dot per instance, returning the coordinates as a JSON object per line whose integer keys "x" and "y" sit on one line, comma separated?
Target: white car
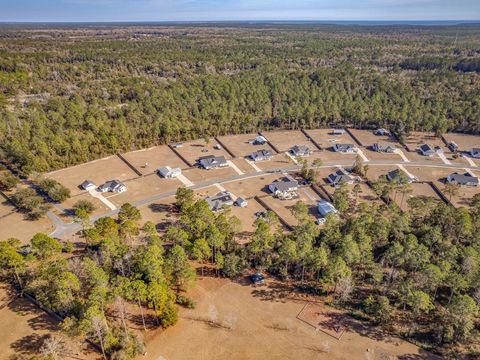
{"x": 320, "y": 221}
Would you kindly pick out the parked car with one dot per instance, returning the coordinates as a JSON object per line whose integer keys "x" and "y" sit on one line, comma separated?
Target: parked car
{"x": 257, "y": 279}
{"x": 320, "y": 221}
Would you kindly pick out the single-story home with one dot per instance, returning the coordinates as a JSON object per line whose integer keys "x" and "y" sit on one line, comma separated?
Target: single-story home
{"x": 381, "y": 132}
{"x": 399, "y": 176}
{"x": 462, "y": 179}
{"x": 340, "y": 177}
{"x": 168, "y": 173}
{"x": 428, "y": 150}
{"x": 475, "y": 153}
{"x": 259, "y": 140}
{"x": 241, "y": 202}
{"x": 386, "y": 148}
{"x": 283, "y": 188}
{"x": 300, "y": 150}
{"x": 337, "y": 132}
{"x": 212, "y": 162}
{"x": 261, "y": 155}
{"x": 88, "y": 185}
{"x": 115, "y": 186}
{"x": 220, "y": 200}
{"x": 344, "y": 148}
{"x": 325, "y": 208}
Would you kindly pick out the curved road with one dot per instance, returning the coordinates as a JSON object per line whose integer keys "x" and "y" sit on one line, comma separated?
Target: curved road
{"x": 63, "y": 229}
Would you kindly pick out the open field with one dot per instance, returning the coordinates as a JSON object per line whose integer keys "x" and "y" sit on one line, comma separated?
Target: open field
{"x": 28, "y": 327}
{"x": 255, "y": 186}
{"x": 142, "y": 188}
{"x": 416, "y": 138}
{"x": 381, "y": 156}
{"x": 239, "y": 145}
{"x": 155, "y": 157}
{"x": 326, "y": 140}
{"x": 464, "y": 141}
{"x": 283, "y": 207}
{"x": 98, "y": 171}
{"x": 193, "y": 150}
{"x": 374, "y": 172}
{"x": 284, "y": 140}
{"x": 367, "y": 138}
{"x": 261, "y": 323}
{"x": 437, "y": 176}
{"x": 14, "y": 225}
{"x": 243, "y": 166}
{"x": 197, "y": 175}
{"x": 323, "y": 173}
{"x": 418, "y": 190}
{"x": 278, "y": 161}
{"x": 100, "y": 207}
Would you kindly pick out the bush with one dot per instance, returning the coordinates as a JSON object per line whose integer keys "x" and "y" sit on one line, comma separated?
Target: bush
{"x": 185, "y": 301}
{"x": 55, "y": 191}
{"x": 169, "y": 316}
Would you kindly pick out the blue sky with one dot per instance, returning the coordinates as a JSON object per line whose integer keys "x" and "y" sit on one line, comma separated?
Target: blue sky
{"x": 200, "y": 10}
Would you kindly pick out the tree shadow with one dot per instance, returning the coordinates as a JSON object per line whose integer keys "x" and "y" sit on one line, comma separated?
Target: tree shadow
{"x": 28, "y": 345}
{"x": 40, "y": 321}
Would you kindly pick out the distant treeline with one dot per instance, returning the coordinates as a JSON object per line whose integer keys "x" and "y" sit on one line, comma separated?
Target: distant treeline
{"x": 75, "y": 95}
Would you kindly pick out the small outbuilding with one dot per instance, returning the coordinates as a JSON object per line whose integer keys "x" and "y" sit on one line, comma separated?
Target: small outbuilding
{"x": 259, "y": 140}
{"x": 168, "y": 173}
{"x": 241, "y": 202}
{"x": 337, "y": 132}
{"x": 88, "y": 185}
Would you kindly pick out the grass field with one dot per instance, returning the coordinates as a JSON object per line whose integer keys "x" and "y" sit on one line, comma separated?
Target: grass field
{"x": 233, "y": 320}
{"x": 325, "y": 139}
{"x": 367, "y": 138}
{"x": 98, "y": 171}
{"x": 255, "y": 186}
{"x": 155, "y": 157}
{"x": 240, "y": 146}
{"x": 464, "y": 141}
{"x": 284, "y": 140}
{"x": 192, "y": 150}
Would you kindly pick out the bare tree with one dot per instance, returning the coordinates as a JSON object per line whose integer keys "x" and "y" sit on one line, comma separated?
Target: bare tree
{"x": 121, "y": 313}
{"x": 53, "y": 348}
{"x": 99, "y": 329}
{"x": 344, "y": 289}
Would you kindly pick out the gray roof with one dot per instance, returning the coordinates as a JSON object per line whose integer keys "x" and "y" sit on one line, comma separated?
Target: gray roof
{"x": 397, "y": 175}
{"x": 343, "y": 147}
{"x": 111, "y": 185}
{"x": 300, "y": 149}
{"x": 264, "y": 153}
{"x": 337, "y": 131}
{"x": 87, "y": 183}
{"x": 216, "y": 202}
{"x": 426, "y": 148}
{"x": 325, "y": 208}
{"x": 383, "y": 147}
{"x": 212, "y": 161}
{"x": 462, "y": 179}
{"x": 285, "y": 185}
{"x": 339, "y": 177}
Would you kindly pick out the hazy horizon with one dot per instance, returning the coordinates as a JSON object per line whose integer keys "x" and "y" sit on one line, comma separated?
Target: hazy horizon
{"x": 64, "y": 11}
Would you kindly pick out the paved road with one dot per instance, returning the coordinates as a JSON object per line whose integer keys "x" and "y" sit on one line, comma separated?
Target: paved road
{"x": 63, "y": 229}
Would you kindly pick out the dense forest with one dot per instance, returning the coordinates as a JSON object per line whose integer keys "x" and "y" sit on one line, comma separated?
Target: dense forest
{"x": 415, "y": 274}
{"x": 69, "y": 95}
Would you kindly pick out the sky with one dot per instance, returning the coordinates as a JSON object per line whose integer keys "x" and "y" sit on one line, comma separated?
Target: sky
{"x": 216, "y": 10}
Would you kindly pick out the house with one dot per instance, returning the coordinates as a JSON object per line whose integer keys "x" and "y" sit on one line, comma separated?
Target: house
{"x": 399, "y": 176}
{"x": 88, "y": 185}
{"x": 452, "y": 146}
{"x": 381, "y": 132}
{"x": 462, "y": 179}
{"x": 337, "y": 132}
{"x": 284, "y": 188}
{"x": 427, "y": 150}
{"x": 168, "y": 173}
{"x": 259, "y": 140}
{"x": 212, "y": 162}
{"x": 325, "y": 208}
{"x": 241, "y": 202}
{"x": 220, "y": 200}
{"x": 115, "y": 186}
{"x": 261, "y": 155}
{"x": 386, "y": 148}
{"x": 475, "y": 153}
{"x": 344, "y": 148}
{"x": 340, "y": 177}
{"x": 300, "y": 150}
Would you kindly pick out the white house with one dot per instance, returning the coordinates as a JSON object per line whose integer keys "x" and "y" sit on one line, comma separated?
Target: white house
{"x": 381, "y": 132}
{"x": 283, "y": 188}
{"x": 300, "y": 150}
{"x": 261, "y": 155}
{"x": 241, "y": 202}
{"x": 260, "y": 140}
{"x": 168, "y": 173}
{"x": 88, "y": 185}
{"x": 220, "y": 200}
{"x": 325, "y": 208}
{"x": 344, "y": 148}
{"x": 337, "y": 132}
{"x": 115, "y": 186}
{"x": 212, "y": 162}
{"x": 386, "y": 148}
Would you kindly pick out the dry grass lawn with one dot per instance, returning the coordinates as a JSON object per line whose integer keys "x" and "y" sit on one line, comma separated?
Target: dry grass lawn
{"x": 284, "y": 140}
{"x": 464, "y": 141}
{"x": 240, "y": 146}
{"x": 234, "y": 320}
{"x": 155, "y": 157}
{"x": 325, "y": 139}
{"x": 192, "y": 150}
{"x": 367, "y": 138}
{"x": 98, "y": 171}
